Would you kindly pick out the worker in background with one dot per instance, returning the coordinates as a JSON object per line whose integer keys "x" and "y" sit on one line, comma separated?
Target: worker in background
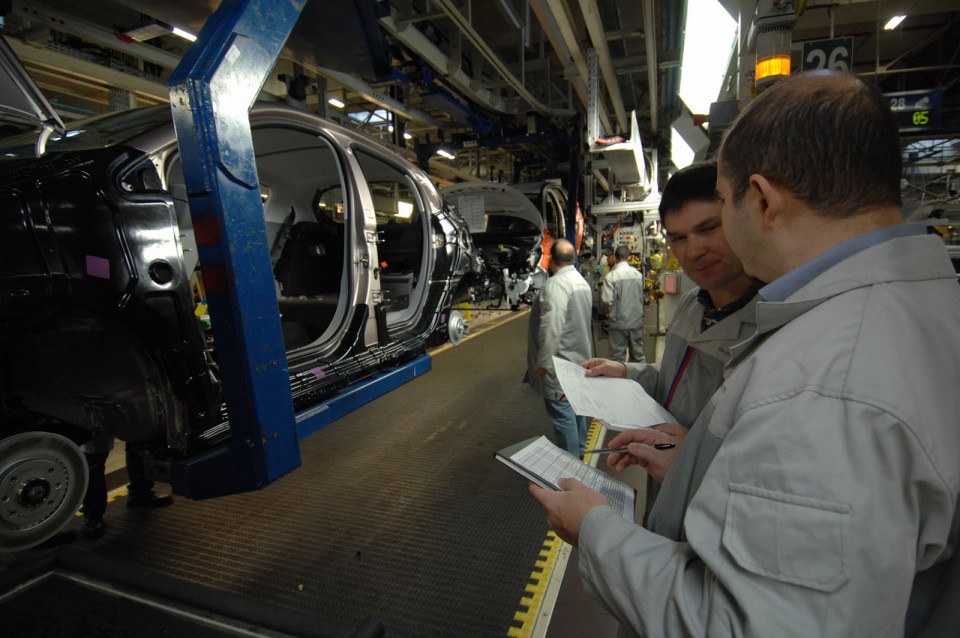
{"x": 140, "y": 492}
{"x": 622, "y": 296}
{"x": 560, "y": 325}
{"x": 820, "y": 479}
{"x": 707, "y": 322}
{"x": 656, "y": 259}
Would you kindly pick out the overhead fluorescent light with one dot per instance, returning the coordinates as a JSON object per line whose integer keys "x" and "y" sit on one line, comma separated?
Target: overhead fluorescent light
{"x": 153, "y": 28}
{"x": 893, "y": 23}
{"x": 335, "y": 102}
{"x": 710, "y": 36}
{"x": 407, "y": 136}
{"x": 186, "y": 35}
{"x": 442, "y": 152}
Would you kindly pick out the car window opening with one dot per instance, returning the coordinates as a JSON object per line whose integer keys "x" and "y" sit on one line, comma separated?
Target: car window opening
{"x": 307, "y": 224}
{"x": 400, "y": 237}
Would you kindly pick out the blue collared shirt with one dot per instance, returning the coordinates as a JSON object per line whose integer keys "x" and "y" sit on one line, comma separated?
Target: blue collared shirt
{"x": 781, "y": 289}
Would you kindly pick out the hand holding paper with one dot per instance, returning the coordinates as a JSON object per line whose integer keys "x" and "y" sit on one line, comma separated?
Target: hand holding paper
{"x": 621, "y": 403}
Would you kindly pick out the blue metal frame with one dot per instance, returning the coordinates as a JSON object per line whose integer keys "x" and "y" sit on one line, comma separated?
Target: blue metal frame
{"x": 212, "y": 91}
{"x": 360, "y": 394}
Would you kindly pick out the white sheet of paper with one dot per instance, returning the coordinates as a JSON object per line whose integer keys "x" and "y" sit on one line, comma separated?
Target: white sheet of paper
{"x": 622, "y": 404}
{"x": 471, "y": 208}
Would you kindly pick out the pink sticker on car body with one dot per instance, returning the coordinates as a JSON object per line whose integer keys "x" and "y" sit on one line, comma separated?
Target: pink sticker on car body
{"x": 98, "y": 267}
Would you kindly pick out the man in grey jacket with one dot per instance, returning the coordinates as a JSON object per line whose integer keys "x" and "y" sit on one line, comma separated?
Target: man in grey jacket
{"x": 560, "y": 325}
{"x": 720, "y": 313}
{"x": 817, "y": 492}
{"x": 622, "y": 294}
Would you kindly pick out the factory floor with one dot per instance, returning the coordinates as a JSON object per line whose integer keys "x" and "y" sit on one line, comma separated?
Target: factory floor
{"x": 422, "y": 531}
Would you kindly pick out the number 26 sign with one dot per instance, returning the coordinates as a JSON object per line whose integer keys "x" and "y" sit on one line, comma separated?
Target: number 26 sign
{"x": 832, "y": 55}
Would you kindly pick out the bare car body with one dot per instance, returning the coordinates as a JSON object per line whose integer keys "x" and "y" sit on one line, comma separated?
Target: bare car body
{"x": 550, "y": 198}
{"x": 513, "y": 227}
{"x": 104, "y": 329}
{"x": 508, "y": 233}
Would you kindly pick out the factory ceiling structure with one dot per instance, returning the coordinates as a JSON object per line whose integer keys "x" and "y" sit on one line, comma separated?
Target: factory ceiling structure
{"x": 502, "y": 90}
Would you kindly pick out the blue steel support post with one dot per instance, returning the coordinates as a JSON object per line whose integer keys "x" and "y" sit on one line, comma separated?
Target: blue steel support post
{"x": 212, "y": 91}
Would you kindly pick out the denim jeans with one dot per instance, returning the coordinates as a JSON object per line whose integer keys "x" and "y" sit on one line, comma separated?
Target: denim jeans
{"x": 570, "y": 429}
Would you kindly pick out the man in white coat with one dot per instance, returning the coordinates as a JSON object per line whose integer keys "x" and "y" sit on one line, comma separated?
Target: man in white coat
{"x": 560, "y": 325}
{"x": 817, "y": 493}
{"x": 622, "y": 294}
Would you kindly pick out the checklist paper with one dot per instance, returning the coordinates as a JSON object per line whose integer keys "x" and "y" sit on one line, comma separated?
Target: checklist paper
{"x": 545, "y": 464}
{"x": 622, "y": 404}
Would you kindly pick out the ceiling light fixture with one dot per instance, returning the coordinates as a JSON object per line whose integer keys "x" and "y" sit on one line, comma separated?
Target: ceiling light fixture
{"x": 442, "y": 152}
{"x": 154, "y": 28}
{"x": 335, "y": 102}
{"x": 710, "y": 36}
{"x": 186, "y": 35}
{"x": 407, "y": 136}
{"x": 893, "y": 23}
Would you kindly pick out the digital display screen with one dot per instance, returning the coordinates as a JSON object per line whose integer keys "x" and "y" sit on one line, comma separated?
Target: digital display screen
{"x": 915, "y": 110}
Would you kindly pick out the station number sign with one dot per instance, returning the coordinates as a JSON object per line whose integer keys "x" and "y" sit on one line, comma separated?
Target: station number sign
{"x": 835, "y": 54}
{"x": 915, "y": 110}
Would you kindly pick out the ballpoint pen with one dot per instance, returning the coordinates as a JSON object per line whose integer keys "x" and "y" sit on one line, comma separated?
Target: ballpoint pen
{"x": 610, "y": 450}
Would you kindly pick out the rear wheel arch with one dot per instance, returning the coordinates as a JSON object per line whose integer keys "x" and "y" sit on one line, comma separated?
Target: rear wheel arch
{"x": 90, "y": 374}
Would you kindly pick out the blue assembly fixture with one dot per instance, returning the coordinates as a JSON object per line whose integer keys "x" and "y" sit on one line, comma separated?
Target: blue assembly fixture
{"x": 211, "y": 93}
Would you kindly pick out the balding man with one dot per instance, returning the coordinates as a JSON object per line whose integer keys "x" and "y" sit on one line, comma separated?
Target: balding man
{"x": 817, "y": 492}
{"x": 560, "y": 325}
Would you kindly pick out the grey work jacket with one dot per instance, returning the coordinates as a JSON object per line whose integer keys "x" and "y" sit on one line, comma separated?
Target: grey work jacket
{"x": 817, "y": 493}
{"x": 623, "y": 292}
{"x": 560, "y": 325}
{"x": 692, "y": 366}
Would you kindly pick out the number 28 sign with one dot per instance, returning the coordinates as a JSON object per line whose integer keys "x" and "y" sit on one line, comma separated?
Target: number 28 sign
{"x": 916, "y": 110}
{"x": 832, "y": 55}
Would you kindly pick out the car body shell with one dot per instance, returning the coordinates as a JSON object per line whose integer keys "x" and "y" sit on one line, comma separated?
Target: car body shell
{"x": 514, "y": 228}
{"x": 101, "y": 302}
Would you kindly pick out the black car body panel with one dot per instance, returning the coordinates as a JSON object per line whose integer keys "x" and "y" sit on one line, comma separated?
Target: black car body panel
{"x": 101, "y": 312}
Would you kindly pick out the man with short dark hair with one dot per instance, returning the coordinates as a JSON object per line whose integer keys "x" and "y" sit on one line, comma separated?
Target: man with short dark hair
{"x": 560, "y": 325}
{"x": 707, "y": 322}
{"x": 817, "y": 493}
{"x": 622, "y": 295}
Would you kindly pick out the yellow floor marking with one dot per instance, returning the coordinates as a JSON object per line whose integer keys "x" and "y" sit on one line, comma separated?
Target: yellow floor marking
{"x": 112, "y": 495}
{"x": 536, "y": 606}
